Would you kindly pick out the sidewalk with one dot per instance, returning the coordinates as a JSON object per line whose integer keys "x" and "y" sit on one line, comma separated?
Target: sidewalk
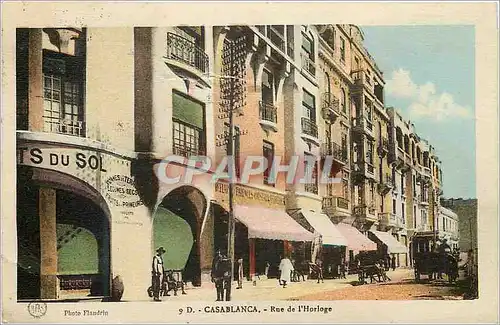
{"x": 270, "y": 290}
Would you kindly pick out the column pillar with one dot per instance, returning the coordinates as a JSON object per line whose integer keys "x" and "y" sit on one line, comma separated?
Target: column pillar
{"x": 251, "y": 254}
{"x": 48, "y": 243}
{"x": 35, "y": 88}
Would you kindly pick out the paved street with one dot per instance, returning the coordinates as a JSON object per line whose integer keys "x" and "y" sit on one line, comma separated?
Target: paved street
{"x": 401, "y": 287}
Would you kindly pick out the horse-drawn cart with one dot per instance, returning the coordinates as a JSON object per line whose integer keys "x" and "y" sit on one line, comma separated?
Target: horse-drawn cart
{"x": 434, "y": 264}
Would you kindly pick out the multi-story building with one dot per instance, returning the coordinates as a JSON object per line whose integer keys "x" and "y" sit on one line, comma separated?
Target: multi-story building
{"x": 466, "y": 209}
{"x": 99, "y": 110}
{"x": 447, "y": 227}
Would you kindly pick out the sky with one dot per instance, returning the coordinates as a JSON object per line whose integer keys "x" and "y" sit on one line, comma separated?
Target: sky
{"x": 429, "y": 75}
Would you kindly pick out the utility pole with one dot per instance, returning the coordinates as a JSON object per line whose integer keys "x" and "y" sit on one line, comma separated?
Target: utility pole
{"x": 233, "y": 93}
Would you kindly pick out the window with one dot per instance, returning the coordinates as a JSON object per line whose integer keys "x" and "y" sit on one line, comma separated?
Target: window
{"x": 308, "y": 54}
{"x": 343, "y": 103}
{"x": 63, "y": 94}
{"x": 345, "y": 187}
{"x": 394, "y": 207}
{"x": 403, "y": 211}
{"x": 372, "y": 192}
{"x": 344, "y": 146}
{"x": 309, "y": 106}
{"x": 402, "y": 184}
{"x": 236, "y": 153}
{"x": 268, "y": 153}
{"x": 188, "y": 126}
{"x": 342, "y": 49}
{"x": 415, "y": 215}
{"x": 356, "y": 64}
{"x": 310, "y": 169}
{"x": 267, "y": 87}
{"x": 308, "y": 46}
{"x": 369, "y": 153}
{"x": 328, "y": 85}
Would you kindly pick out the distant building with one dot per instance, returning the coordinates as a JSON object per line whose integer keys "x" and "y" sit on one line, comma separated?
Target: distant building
{"x": 466, "y": 209}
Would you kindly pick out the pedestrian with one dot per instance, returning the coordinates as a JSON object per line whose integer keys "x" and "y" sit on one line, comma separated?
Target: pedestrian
{"x": 240, "y": 273}
{"x": 343, "y": 269}
{"x": 319, "y": 268}
{"x": 157, "y": 271}
{"x": 286, "y": 269}
{"x": 393, "y": 262}
{"x": 221, "y": 275}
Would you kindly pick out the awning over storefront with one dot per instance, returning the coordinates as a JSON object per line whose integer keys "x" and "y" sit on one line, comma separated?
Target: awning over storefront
{"x": 271, "y": 224}
{"x": 393, "y": 246}
{"x": 330, "y": 235}
{"x": 356, "y": 241}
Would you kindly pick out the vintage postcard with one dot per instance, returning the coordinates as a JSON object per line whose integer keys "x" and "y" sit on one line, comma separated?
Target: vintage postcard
{"x": 249, "y": 162}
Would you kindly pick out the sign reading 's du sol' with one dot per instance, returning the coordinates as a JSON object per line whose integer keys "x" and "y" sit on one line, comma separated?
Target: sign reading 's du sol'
{"x": 53, "y": 157}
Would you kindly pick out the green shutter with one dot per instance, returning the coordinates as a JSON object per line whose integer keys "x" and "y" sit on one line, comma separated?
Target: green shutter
{"x": 187, "y": 111}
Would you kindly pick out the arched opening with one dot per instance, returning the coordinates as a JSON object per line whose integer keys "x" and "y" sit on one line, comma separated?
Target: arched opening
{"x": 177, "y": 227}
{"x": 63, "y": 241}
{"x": 407, "y": 144}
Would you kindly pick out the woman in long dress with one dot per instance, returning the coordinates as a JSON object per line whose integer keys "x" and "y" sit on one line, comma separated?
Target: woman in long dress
{"x": 286, "y": 269}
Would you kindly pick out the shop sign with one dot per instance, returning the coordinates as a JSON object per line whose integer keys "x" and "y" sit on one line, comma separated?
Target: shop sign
{"x": 251, "y": 194}
{"x": 46, "y": 157}
{"x": 121, "y": 191}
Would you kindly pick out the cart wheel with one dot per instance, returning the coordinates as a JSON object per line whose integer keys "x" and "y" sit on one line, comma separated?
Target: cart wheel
{"x": 150, "y": 292}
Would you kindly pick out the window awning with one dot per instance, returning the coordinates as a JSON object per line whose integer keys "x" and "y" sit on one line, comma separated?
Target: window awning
{"x": 393, "y": 246}
{"x": 271, "y": 224}
{"x": 330, "y": 235}
{"x": 356, "y": 241}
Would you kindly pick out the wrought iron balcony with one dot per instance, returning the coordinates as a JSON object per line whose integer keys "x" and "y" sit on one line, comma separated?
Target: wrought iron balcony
{"x": 308, "y": 64}
{"x": 362, "y": 124}
{"x": 383, "y": 148}
{"x": 309, "y": 127}
{"x": 336, "y": 207}
{"x": 385, "y": 184}
{"x": 268, "y": 116}
{"x": 338, "y": 153}
{"x": 184, "y": 51}
{"x": 330, "y": 106}
{"x": 311, "y": 188}
{"x": 366, "y": 212}
{"x": 64, "y": 126}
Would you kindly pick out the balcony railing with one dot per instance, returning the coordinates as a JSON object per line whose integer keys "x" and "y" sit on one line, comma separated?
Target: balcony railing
{"x": 334, "y": 202}
{"x": 370, "y": 169}
{"x": 364, "y": 125}
{"x": 330, "y": 103}
{"x": 183, "y": 50}
{"x": 311, "y": 188}
{"x": 308, "y": 64}
{"x": 336, "y": 151}
{"x": 384, "y": 144}
{"x": 364, "y": 211}
{"x": 185, "y": 150}
{"x": 309, "y": 127}
{"x": 268, "y": 112}
{"x": 64, "y": 126}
